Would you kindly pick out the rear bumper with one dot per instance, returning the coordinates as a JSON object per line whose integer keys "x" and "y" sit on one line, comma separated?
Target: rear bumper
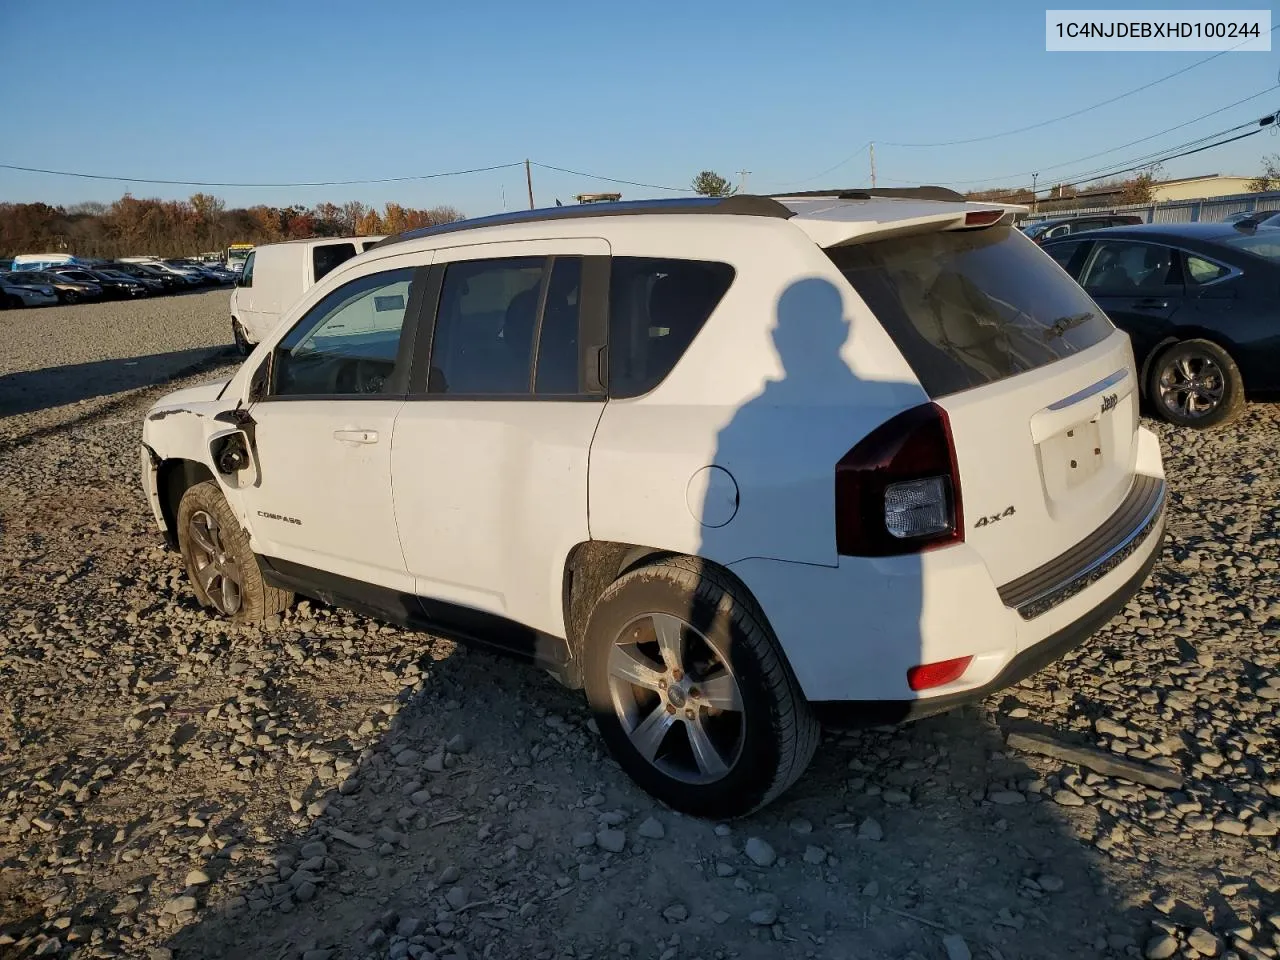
{"x": 853, "y": 713}
{"x": 852, "y": 632}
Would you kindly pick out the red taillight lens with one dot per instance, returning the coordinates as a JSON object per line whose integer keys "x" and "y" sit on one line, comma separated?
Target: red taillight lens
{"x": 898, "y": 490}
{"x": 930, "y": 675}
{"x": 982, "y": 218}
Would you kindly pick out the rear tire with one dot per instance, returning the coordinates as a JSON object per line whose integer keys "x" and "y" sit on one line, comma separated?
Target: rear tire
{"x": 1195, "y": 383}
{"x": 725, "y": 732}
{"x": 222, "y": 567}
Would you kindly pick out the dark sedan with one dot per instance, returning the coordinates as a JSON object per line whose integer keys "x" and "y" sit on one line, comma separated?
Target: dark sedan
{"x": 1199, "y": 302}
{"x": 68, "y": 290}
{"x": 113, "y": 284}
{"x": 168, "y": 282}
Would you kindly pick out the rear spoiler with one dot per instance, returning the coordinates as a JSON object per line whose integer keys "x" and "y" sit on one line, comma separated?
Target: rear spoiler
{"x": 869, "y": 193}
{"x": 827, "y": 228}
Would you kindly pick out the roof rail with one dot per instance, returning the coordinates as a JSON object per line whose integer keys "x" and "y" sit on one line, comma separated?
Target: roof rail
{"x": 867, "y": 193}
{"x": 742, "y": 205}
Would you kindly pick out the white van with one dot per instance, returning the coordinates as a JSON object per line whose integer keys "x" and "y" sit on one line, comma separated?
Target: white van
{"x": 43, "y": 261}
{"x": 275, "y": 275}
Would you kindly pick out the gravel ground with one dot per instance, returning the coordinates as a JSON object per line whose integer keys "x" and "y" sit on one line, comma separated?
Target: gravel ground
{"x": 329, "y": 787}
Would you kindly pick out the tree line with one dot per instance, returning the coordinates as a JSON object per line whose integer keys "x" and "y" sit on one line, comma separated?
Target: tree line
{"x": 202, "y": 223}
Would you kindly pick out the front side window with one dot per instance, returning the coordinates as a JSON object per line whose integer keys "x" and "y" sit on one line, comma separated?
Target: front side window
{"x": 1120, "y": 268}
{"x": 1063, "y": 252}
{"x": 348, "y": 344}
{"x": 246, "y": 275}
{"x": 326, "y": 257}
{"x": 656, "y": 308}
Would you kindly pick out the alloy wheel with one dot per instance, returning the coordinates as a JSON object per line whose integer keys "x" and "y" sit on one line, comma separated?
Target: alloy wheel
{"x": 1192, "y": 385}
{"x": 676, "y": 698}
{"x": 217, "y": 572}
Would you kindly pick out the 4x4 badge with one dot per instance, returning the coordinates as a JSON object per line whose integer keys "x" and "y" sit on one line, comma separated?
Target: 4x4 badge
{"x": 995, "y": 517}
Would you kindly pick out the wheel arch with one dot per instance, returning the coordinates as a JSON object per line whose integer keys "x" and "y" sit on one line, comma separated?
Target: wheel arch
{"x": 590, "y": 568}
{"x": 174, "y": 477}
{"x": 1180, "y": 335}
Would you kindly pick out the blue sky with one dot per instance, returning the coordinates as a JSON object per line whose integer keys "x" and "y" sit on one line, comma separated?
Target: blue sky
{"x": 654, "y": 92}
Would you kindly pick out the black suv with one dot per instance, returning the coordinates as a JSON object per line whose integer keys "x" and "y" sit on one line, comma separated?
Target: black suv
{"x": 1043, "y": 230}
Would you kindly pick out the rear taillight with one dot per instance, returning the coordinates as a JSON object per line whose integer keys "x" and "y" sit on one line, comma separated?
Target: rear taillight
{"x": 898, "y": 490}
{"x": 982, "y": 218}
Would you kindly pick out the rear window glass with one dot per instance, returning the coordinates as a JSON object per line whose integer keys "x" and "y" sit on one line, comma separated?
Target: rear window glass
{"x": 1265, "y": 243}
{"x": 656, "y": 308}
{"x": 970, "y": 307}
{"x": 330, "y": 255}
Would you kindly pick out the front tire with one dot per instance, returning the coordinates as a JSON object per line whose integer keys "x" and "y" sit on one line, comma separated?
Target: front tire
{"x": 243, "y": 346}
{"x": 1196, "y": 384}
{"x": 691, "y": 693}
{"x": 222, "y": 567}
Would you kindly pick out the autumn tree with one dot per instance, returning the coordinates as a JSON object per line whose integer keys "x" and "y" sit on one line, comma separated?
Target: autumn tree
{"x": 708, "y": 183}
{"x": 1269, "y": 179}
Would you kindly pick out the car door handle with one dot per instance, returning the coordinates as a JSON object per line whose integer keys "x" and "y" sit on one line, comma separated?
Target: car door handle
{"x": 1151, "y": 304}
{"x": 356, "y": 436}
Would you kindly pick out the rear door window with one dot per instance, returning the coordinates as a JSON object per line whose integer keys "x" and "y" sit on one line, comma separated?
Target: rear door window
{"x": 656, "y": 308}
{"x": 327, "y": 256}
{"x": 971, "y": 307}
{"x": 1125, "y": 268}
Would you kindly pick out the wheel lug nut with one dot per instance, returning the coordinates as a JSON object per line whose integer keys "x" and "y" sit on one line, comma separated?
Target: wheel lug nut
{"x": 689, "y": 712}
{"x": 678, "y": 674}
{"x": 670, "y": 708}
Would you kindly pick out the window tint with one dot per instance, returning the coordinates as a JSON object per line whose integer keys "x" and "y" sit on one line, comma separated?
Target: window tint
{"x": 970, "y": 307}
{"x": 246, "y": 275}
{"x": 1120, "y": 268}
{"x": 1202, "y": 271}
{"x": 483, "y": 340}
{"x": 656, "y": 308}
{"x": 348, "y": 343}
{"x": 558, "y": 337}
{"x": 327, "y": 256}
{"x": 1063, "y": 252}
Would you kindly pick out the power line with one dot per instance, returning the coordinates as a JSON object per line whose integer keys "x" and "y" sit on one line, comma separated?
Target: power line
{"x": 629, "y": 183}
{"x": 1033, "y": 126}
{"x": 215, "y": 183}
{"x": 1140, "y": 166}
{"x": 1082, "y": 110}
{"x": 1101, "y": 153}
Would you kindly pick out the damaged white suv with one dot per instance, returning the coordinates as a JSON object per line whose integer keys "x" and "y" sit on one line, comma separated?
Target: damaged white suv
{"x": 734, "y": 466}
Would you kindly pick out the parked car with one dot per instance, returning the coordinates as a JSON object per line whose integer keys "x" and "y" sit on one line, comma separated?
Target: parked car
{"x": 1043, "y": 230}
{"x": 1270, "y": 218}
{"x": 168, "y": 282}
{"x": 734, "y": 466}
{"x": 1199, "y": 301}
{"x": 66, "y": 289}
{"x": 24, "y": 294}
{"x": 113, "y": 284}
{"x": 191, "y": 278}
{"x": 275, "y": 275}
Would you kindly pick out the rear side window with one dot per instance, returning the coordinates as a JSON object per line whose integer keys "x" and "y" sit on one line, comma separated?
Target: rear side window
{"x": 325, "y": 258}
{"x": 1064, "y": 251}
{"x": 656, "y": 308}
{"x": 970, "y": 307}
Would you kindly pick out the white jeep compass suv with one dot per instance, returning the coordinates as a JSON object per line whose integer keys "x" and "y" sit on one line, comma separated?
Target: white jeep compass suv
{"x": 734, "y": 466}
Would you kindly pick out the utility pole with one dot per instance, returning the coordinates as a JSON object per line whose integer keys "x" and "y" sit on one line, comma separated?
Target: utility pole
{"x": 528, "y": 178}
{"x": 873, "y": 164}
{"x": 1034, "y": 178}
{"x": 743, "y": 174}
